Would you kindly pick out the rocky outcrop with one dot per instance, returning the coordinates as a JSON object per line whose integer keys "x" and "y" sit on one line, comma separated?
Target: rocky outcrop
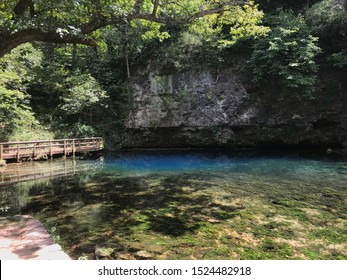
{"x": 200, "y": 108}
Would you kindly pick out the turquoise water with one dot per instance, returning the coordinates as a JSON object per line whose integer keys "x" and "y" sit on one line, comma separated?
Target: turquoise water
{"x": 283, "y": 166}
{"x": 191, "y": 205}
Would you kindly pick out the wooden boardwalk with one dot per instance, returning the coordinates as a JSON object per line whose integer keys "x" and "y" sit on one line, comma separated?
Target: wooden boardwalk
{"x": 25, "y": 238}
{"x": 43, "y": 149}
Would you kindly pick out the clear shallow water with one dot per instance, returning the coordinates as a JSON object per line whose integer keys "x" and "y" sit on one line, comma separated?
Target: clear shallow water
{"x": 169, "y": 162}
{"x": 192, "y": 205}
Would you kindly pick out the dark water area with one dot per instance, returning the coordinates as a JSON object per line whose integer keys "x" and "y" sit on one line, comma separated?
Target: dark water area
{"x": 203, "y": 204}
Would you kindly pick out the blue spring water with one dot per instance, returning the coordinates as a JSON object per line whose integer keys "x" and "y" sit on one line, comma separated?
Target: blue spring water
{"x": 291, "y": 165}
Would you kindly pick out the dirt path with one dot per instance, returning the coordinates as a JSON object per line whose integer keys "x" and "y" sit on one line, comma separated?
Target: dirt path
{"x": 24, "y": 238}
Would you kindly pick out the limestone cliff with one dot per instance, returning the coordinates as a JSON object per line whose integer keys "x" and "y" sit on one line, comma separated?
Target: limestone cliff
{"x": 200, "y": 108}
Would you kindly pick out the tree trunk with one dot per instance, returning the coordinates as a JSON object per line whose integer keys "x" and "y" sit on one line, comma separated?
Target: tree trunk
{"x": 127, "y": 50}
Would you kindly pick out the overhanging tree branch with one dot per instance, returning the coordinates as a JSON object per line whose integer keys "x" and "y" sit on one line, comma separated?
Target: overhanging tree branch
{"x": 11, "y": 39}
{"x": 155, "y": 6}
{"x": 30, "y": 35}
{"x": 113, "y": 20}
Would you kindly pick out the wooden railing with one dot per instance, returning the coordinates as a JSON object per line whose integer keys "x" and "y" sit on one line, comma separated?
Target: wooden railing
{"x": 41, "y": 149}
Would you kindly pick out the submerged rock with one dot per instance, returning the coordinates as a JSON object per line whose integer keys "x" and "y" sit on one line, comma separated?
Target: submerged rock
{"x": 103, "y": 251}
{"x": 144, "y": 255}
{"x": 122, "y": 255}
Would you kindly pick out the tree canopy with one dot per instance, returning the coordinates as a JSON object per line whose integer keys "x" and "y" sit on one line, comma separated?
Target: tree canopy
{"x": 66, "y": 21}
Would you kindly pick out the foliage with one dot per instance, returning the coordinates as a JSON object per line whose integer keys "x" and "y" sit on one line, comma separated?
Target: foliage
{"x": 328, "y": 20}
{"x": 185, "y": 51}
{"x": 79, "y": 130}
{"x": 243, "y": 23}
{"x": 294, "y": 5}
{"x": 148, "y": 30}
{"x": 327, "y": 15}
{"x": 13, "y": 106}
{"x": 75, "y": 21}
{"x": 37, "y": 132}
{"x": 207, "y": 40}
{"x": 15, "y": 73}
{"x": 240, "y": 22}
{"x": 339, "y": 59}
{"x": 83, "y": 95}
{"x": 287, "y": 54}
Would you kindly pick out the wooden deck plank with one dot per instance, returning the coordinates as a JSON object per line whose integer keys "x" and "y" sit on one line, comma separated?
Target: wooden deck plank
{"x": 25, "y": 238}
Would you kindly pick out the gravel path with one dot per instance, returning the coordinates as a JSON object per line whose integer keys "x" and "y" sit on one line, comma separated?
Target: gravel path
{"x": 24, "y": 238}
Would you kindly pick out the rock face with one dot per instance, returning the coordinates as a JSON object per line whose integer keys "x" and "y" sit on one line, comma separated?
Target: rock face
{"x": 199, "y": 108}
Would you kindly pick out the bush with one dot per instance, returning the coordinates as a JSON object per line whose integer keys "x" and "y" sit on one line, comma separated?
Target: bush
{"x": 327, "y": 16}
{"x": 287, "y": 54}
{"x": 15, "y": 74}
{"x": 339, "y": 59}
{"x": 29, "y": 133}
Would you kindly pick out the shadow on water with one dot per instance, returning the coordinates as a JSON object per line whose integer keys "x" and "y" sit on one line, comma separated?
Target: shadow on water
{"x": 171, "y": 206}
{"x": 86, "y": 207}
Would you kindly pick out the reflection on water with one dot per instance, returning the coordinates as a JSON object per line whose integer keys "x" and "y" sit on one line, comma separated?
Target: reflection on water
{"x": 35, "y": 170}
{"x": 201, "y": 205}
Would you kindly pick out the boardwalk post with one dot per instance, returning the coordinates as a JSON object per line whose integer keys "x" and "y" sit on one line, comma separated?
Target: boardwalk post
{"x": 34, "y": 150}
{"x": 73, "y": 148}
{"x": 1, "y": 151}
